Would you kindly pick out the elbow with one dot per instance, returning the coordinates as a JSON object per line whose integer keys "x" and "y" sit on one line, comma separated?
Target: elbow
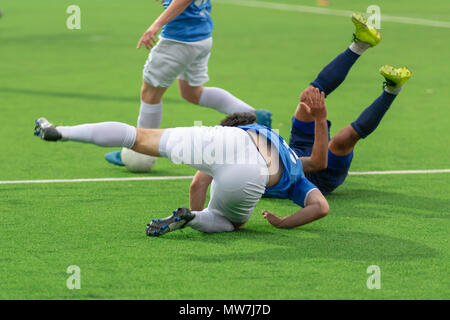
{"x": 198, "y": 185}
{"x": 323, "y": 209}
{"x": 195, "y": 186}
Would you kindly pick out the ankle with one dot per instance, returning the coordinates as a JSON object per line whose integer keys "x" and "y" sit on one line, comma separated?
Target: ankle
{"x": 359, "y": 47}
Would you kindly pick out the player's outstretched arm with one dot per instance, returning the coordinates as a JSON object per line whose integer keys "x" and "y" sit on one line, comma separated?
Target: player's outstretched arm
{"x": 313, "y": 101}
{"x": 173, "y": 10}
{"x": 316, "y": 207}
{"x": 198, "y": 189}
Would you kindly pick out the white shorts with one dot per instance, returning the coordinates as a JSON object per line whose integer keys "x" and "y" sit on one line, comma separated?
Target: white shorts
{"x": 228, "y": 154}
{"x": 170, "y": 59}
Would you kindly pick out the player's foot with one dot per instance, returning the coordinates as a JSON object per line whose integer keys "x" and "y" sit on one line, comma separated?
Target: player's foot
{"x": 264, "y": 117}
{"x": 395, "y": 78}
{"x": 177, "y": 220}
{"x": 365, "y": 32}
{"x": 46, "y": 131}
{"x": 115, "y": 157}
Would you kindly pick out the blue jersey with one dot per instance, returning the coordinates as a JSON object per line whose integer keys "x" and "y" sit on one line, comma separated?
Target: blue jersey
{"x": 193, "y": 24}
{"x": 293, "y": 183}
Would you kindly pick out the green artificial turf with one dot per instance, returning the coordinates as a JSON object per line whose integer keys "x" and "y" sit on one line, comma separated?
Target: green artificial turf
{"x": 266, "y": 57}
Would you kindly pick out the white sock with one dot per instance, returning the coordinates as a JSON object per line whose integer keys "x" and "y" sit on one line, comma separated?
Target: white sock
{"x": 208, "y": 222}
{"x": 150, "y": 115}
{"x": 393, "y": 90}
{"x": 104, "y": 134}
{"x": 223, "y": 101}
{"x": 359, "y": 47}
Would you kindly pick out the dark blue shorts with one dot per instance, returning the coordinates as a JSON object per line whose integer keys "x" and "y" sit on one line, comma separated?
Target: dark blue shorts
{"x": 302, "y": 141}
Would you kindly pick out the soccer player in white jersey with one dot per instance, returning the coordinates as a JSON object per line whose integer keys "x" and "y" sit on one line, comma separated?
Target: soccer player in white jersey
{"x": 182, "y": 53}
{"x": 243, "y": 162}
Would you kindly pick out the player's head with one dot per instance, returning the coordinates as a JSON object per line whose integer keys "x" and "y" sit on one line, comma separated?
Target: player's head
{"x": 238, "y": 119}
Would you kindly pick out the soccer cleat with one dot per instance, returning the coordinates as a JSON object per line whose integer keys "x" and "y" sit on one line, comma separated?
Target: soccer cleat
{"x": 365, "y": 32}
{"x": 395, "y": 78}
{"x": 177, "y": 220}
{"x": 115, "y": 157}
{"x": 264, "y": 117}
{"x": 46, "y": 131}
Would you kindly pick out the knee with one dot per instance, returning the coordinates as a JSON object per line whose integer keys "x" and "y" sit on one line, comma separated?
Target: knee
{"x": 344, "y": 142}
{"x": 339, "y": 144}
{"x": 150, "y": 95}
{"x": 141, "y": 136}
{"x": 191, "y": 94}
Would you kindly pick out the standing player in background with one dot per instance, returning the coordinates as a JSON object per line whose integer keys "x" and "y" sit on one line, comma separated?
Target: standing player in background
{"x": 182, "y": 53}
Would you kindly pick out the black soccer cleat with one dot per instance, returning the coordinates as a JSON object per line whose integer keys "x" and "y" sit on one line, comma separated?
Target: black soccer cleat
{"x": 46, "y": 131}
{"x": 177, "y": 220}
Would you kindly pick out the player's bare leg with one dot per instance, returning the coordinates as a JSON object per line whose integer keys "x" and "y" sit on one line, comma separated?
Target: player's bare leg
{"x": 147, "y": 141}
{"x": 103, "y": 134}
{"x": 151, "y": 94}
{"x": 344, "y": 141}
{"x": 190, "y": 93}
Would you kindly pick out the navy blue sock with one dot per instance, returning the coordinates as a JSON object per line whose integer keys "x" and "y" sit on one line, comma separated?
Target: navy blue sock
{"x": 369, "y": 119}
{"x": 335, "y": 72}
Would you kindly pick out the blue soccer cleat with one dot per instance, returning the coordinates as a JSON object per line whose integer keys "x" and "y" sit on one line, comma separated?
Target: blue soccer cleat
{"x": 264, "y": 117}
{"x": 115, "y": 157}
{"x": 177, "y": 220}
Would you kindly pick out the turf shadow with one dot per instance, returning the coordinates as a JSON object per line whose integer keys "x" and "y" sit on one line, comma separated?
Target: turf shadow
{"x": 311, "y": 243}
{"x": 381, "y": 201}
{"x": 78, "y": 95}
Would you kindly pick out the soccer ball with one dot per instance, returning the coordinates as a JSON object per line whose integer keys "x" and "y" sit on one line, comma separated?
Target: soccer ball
{"x": 137, "y": 162}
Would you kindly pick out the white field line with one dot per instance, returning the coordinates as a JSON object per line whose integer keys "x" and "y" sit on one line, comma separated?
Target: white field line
{"x": 190, "y": 177}
{"x": 399, "y": 172}
{"x": 98, "y": 179}
{"x": 332, "y": 12}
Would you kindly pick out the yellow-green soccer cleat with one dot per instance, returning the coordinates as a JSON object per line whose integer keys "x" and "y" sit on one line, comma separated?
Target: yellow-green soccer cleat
{"x": 395, "y": 77}
{"x": 365, "y": 32}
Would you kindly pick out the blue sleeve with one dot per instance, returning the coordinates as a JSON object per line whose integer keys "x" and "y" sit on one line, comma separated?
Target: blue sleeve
{"x": 302, "y": 188}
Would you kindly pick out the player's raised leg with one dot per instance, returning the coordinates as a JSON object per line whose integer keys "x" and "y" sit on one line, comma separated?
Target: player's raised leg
{"x": 335, "y": 72}
{"x": 343, "y": 143}
{"x": 103, "y": 134}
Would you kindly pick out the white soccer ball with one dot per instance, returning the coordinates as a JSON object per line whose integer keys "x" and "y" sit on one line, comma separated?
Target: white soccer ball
{"x": 137, "y": 162}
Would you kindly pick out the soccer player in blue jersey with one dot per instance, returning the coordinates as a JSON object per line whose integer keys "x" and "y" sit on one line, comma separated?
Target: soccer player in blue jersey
{"x": 304, "y": 127}
{"x": 182, "y": 53}
{"x": 243, "y": 163}
{"x": 341, "y": 146}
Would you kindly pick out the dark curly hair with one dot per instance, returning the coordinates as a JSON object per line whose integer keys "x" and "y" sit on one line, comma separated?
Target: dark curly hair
{"x": 238, "y": 119}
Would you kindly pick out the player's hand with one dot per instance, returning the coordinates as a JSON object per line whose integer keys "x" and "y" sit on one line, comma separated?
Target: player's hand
{"x": 272, "y": 218}
{"x": 148, "y": 38}
{"x": 162, "y": 1}
{"x": 314, "y": 103}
